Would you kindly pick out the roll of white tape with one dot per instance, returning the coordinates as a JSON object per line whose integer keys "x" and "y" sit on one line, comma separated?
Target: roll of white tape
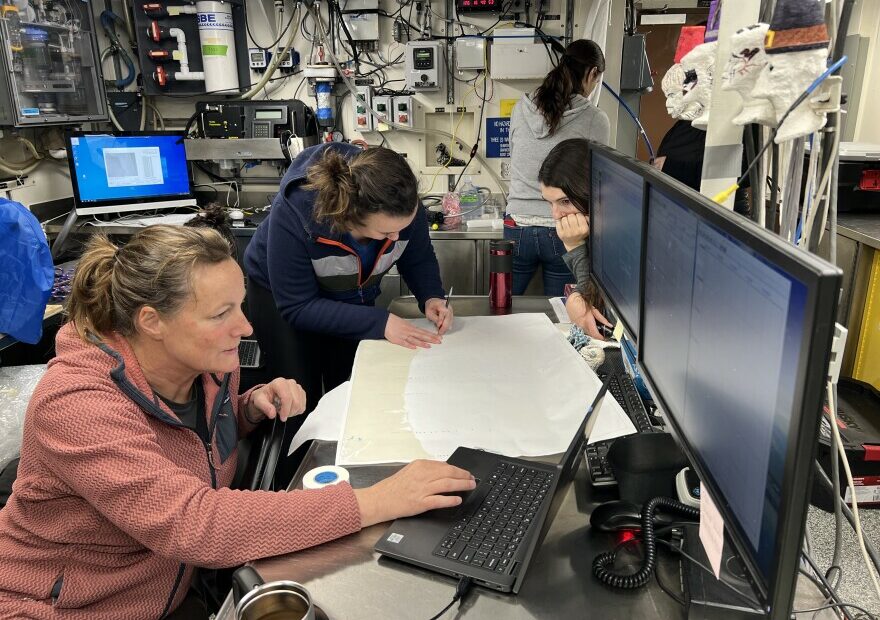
{"x": 324, "y": 476}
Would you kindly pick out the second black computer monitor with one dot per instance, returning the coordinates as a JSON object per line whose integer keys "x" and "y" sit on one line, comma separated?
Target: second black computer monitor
{"x": 617, "y": 207}
{"x": 736, "y": 328}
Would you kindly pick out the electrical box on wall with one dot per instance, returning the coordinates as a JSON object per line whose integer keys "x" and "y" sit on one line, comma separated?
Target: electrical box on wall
{"x": 403, "y": 110}
{"x": 425, "y": 66}
{"x": 49, "y": 64}
{"x": 193, "y": 49}
{"x": 470, "y": 53}
{"x": 363, "y": 120}
{"x": 518, "y": 54}
{"x": 362, "y": 19}
{"x": 258, "y": 59}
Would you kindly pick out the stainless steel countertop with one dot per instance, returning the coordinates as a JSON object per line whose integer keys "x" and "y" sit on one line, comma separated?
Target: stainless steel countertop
{"x": 861, "y": 227}
{"x": 463, "y": 233}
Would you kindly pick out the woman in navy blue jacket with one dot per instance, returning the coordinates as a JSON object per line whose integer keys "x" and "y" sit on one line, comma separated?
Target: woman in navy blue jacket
{"x": 341, "y": 219}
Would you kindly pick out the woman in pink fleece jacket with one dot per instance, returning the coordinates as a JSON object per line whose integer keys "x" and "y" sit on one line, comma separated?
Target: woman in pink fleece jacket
{"x": 130, "y": 439}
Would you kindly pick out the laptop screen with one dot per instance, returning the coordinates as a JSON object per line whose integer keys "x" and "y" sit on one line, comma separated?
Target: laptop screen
{"x": 125, "y": 168}
{"x": 576, "y": 447}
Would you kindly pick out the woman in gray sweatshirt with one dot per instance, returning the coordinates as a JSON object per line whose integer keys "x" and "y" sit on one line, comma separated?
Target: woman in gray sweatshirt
{"x": 556, "y": 111}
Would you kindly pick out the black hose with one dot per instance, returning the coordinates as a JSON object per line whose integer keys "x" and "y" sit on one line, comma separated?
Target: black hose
{"x": 602, "y": 564}
{"x": 770, "y": 216}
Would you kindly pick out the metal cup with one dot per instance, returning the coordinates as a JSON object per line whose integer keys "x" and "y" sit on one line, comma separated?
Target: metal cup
{"x": 276, "y": 600}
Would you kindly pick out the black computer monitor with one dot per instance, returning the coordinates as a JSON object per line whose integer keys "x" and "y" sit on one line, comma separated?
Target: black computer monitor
{"x": 128, "y": 171}
{"x": 735, "y": 341}
{"x": 617, "y": 196}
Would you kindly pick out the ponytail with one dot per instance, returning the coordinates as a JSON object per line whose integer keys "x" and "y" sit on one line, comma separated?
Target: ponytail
{"x": 155, "y": 268}
{"x": 566, "y": 80}
{"x": 376, "y": 180}
{"x": 90, "y": 304}
{"x": 332, "y": 179}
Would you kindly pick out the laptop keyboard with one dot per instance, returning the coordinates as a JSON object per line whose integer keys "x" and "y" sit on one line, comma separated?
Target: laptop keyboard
{"x": 624, "y": 390}
{"x": 248, "y": 353}
{"x": 491, "y": 536}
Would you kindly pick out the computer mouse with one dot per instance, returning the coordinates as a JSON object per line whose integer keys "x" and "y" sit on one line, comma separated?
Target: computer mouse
{"x": 615, "y": 516}
{"x": 236, "y": 214}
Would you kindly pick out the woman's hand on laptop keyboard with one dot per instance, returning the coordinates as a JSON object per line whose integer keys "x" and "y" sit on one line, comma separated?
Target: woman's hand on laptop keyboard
{"x": 420, "y": 486}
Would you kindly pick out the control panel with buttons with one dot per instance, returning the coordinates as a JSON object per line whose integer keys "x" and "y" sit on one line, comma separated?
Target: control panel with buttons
{"x": 382, "y": 106}
{"x": 425, "y": 67}
{"x": 403, "y": 110}
{"x": 363, "y": 120}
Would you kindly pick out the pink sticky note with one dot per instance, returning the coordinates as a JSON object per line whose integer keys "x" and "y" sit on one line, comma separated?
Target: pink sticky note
{"x": 711, "y": 531}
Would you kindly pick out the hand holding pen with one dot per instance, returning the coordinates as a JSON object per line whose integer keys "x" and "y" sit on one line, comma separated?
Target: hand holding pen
{"x": 439, "y": 312}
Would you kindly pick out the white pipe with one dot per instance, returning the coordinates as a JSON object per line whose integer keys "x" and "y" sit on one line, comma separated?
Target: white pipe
{"x": 184, "y": 74}
{"x": 178, "y": 34}
{"x": 192, "y": 76}
{"x": 184, "y": 9}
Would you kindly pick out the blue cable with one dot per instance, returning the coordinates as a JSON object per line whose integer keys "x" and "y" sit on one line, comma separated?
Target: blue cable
{"x": 634, "y": 117}
{"x": 837, "y": 65}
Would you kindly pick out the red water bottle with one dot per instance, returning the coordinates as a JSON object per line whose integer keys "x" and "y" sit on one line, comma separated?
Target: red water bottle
{"x": 500, "y": 275}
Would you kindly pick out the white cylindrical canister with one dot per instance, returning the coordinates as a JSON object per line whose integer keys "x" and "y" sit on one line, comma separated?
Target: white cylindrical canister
{"x": 324, "y": 476}
{"x": 217, "y": 39}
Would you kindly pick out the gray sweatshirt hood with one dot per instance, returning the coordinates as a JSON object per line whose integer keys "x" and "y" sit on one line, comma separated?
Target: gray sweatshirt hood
{"x": 535, "y": 120}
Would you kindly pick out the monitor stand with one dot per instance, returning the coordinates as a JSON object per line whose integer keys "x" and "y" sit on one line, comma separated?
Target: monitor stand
{"x": 708, "y": 599}
{"x": 58, "y": 244}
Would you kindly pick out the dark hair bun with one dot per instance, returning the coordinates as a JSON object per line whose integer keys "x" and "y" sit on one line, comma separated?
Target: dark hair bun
{"x": 211, "y": 216}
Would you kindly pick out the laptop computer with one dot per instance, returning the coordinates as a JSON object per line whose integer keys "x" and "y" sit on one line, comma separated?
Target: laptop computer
{"x": 492, "y": 535}
{"x": 249, "y": 353}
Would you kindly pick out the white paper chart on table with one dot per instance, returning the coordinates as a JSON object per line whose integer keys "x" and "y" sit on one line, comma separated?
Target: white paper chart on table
{"x": 507, "y": 384}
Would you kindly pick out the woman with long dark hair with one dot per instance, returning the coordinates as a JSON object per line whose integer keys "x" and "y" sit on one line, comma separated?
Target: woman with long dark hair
{"x": 342, "y": 218}
{"x": 565, "y": 185}
{"x": 558, "y": 110}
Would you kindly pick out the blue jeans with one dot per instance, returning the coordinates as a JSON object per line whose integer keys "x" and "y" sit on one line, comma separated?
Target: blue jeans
{"x": 538, "y": 245}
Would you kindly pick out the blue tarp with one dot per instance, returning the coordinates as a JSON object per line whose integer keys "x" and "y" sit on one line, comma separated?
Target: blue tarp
{"x": 26, "y": 273}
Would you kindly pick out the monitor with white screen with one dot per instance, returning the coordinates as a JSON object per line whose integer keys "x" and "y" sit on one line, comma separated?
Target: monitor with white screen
{"x": 616, "y": 224}
{"x": 735, "y": 341}
{"x": 128, "y": 171}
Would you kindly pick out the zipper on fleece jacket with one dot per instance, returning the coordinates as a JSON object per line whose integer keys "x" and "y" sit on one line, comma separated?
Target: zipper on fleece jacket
{"x": 180, "y": 571}
{"x": 119, "y": 377}
{"x": 351, "y": 251}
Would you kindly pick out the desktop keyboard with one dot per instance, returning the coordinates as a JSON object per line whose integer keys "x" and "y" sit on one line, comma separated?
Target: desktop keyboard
{"x": 491, "y": 536}
{"x": 249, "y": 354}
{"x": 626, "y": 394}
